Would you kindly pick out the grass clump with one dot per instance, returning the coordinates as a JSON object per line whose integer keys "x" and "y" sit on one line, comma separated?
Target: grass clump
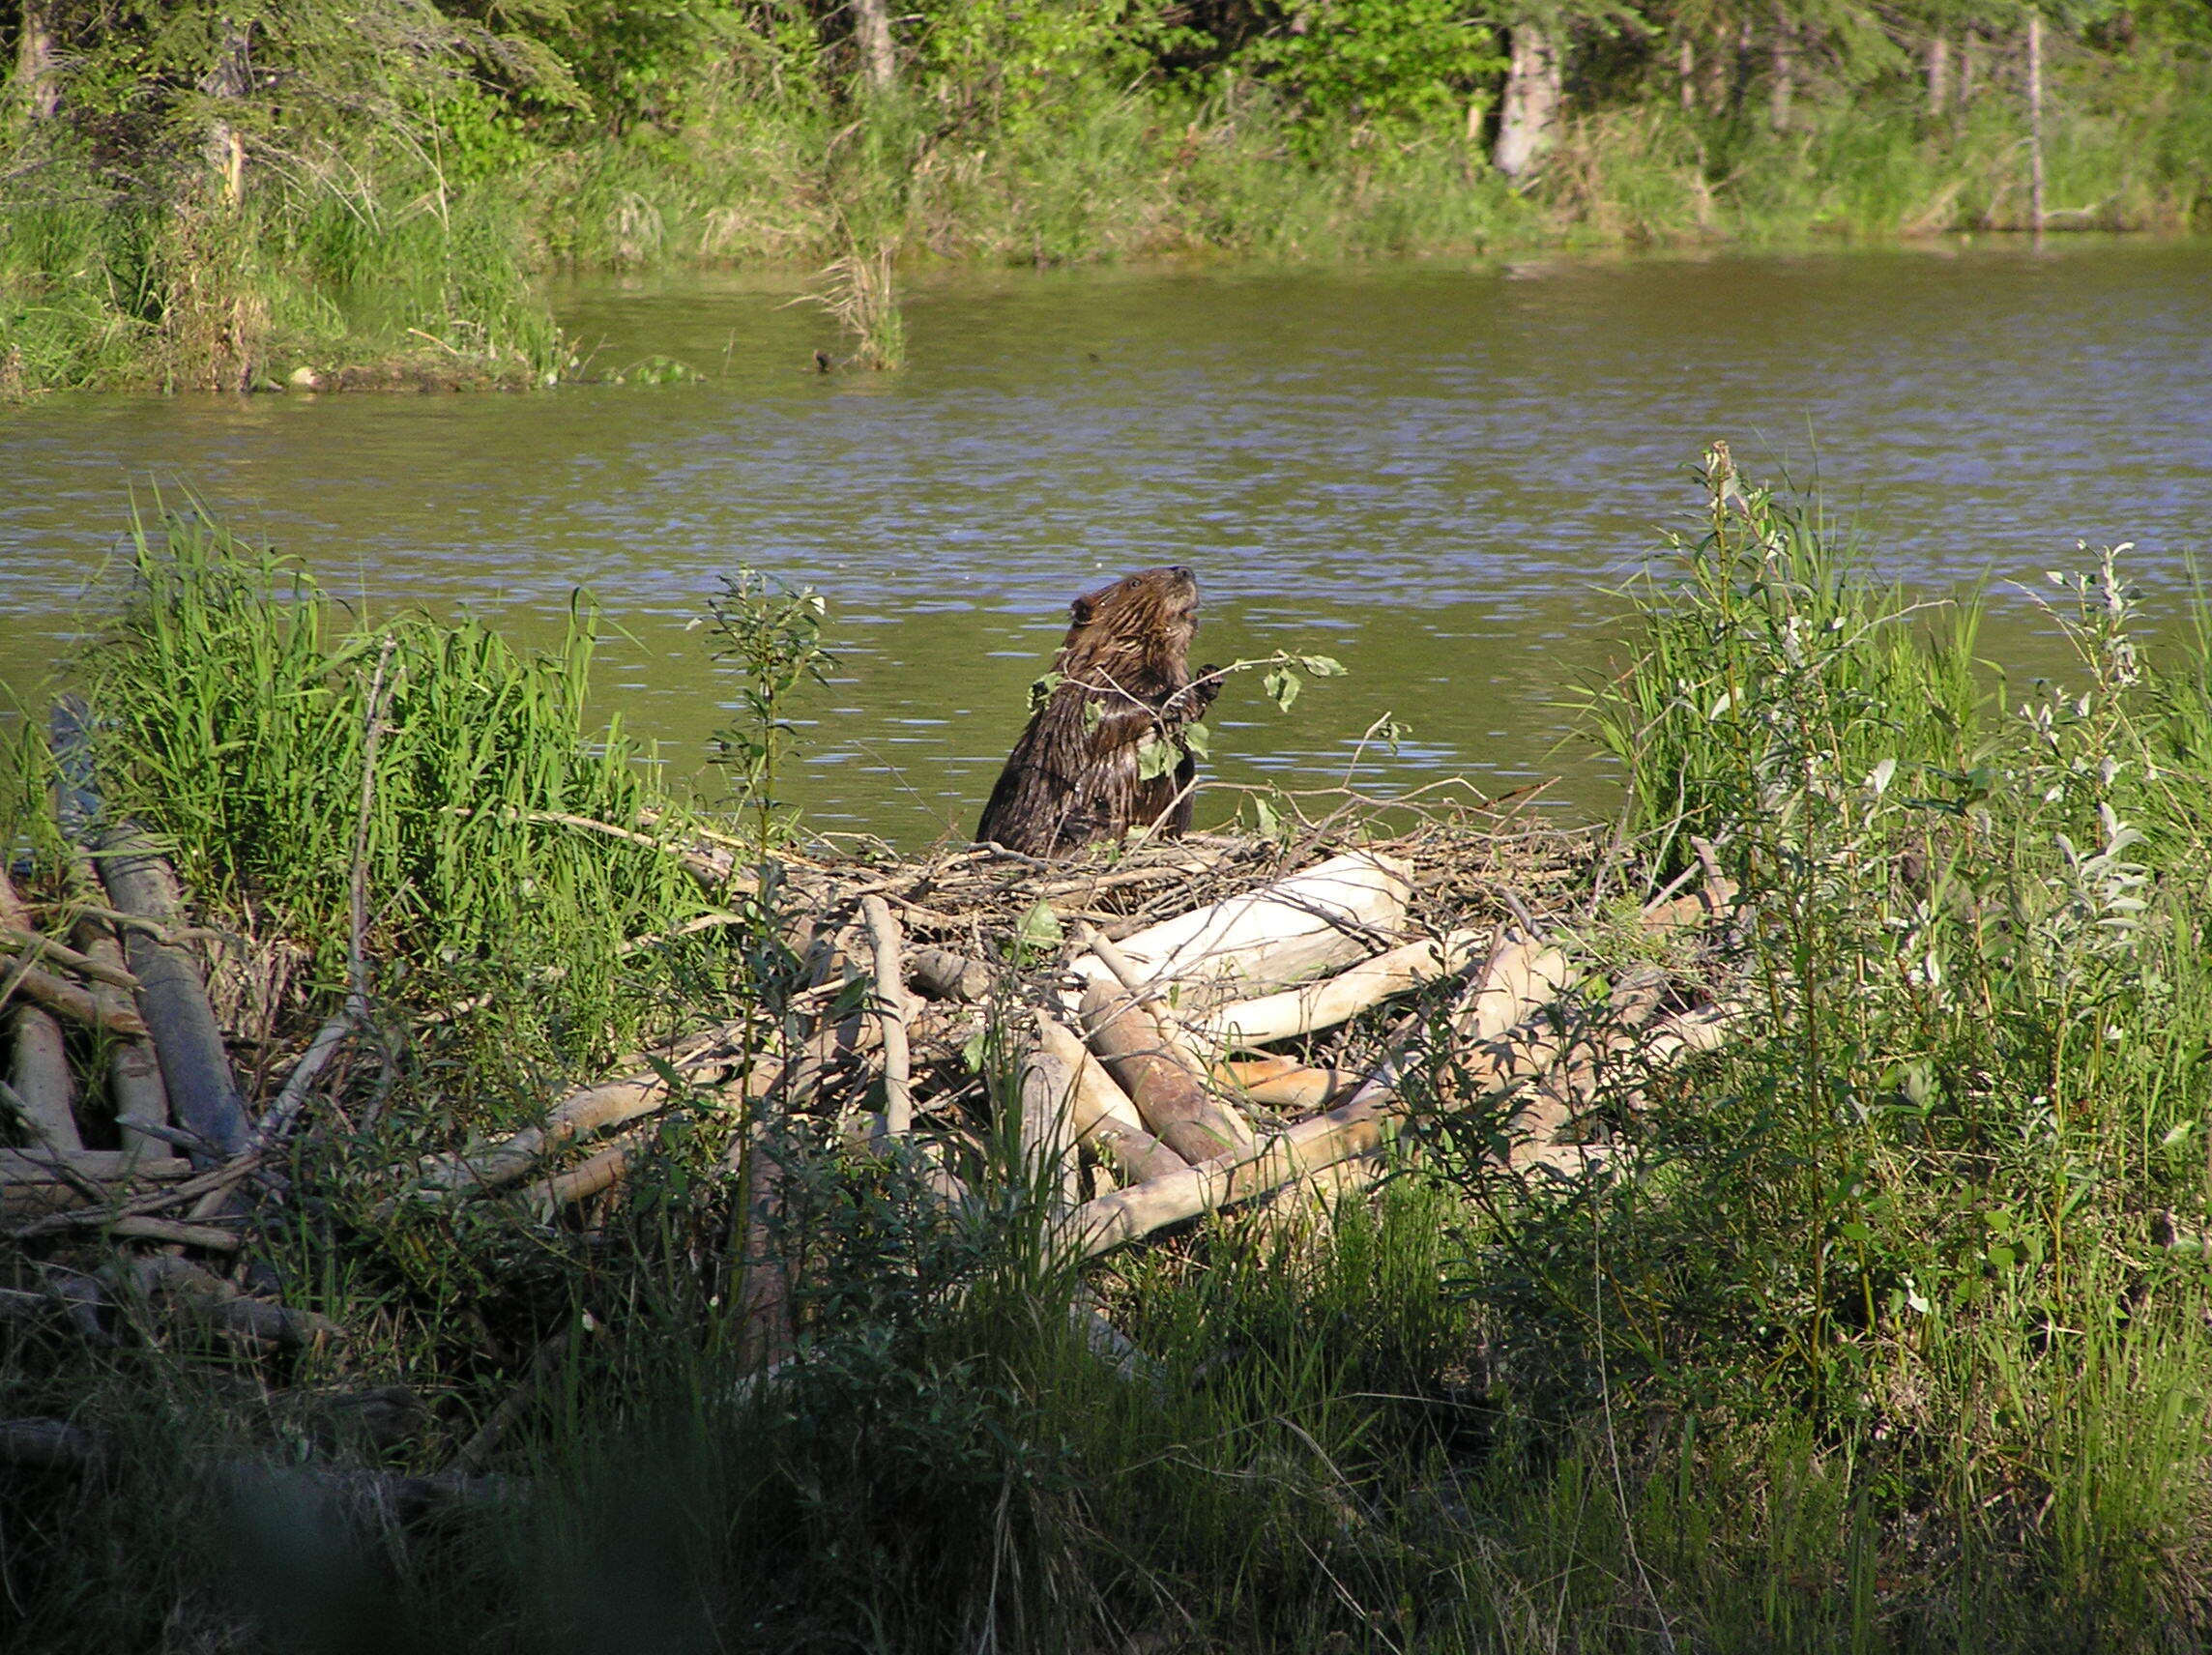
{"x": 234, "y": 704}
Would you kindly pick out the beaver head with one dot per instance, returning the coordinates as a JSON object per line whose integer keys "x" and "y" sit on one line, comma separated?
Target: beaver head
{"x": 1139, "y": 628}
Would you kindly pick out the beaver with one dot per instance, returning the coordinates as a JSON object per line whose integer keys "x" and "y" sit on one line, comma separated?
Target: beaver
{"x": 1121, "y": 683}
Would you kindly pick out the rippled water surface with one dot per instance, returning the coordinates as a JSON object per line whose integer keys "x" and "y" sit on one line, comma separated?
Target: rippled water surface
{"x": 1432, "y": 473}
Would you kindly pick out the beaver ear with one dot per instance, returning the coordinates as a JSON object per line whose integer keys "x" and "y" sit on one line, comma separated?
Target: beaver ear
{"x": 1082, "y": 609}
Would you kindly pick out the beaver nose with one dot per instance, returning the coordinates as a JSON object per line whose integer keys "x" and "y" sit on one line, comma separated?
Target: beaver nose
{"x": 1179, "y": 570}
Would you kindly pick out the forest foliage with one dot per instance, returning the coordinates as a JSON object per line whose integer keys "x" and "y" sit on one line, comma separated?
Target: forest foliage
{"x": 224, "y": 193}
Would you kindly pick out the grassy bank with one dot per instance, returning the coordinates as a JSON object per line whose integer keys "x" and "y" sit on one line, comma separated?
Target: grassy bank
{"x": 384, "y": 221}
{"x": 1887, "y": 1330}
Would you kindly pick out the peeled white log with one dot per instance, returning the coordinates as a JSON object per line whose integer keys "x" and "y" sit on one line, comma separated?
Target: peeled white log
{"x": 1288, "y": 1085}
{"x": 891, "y": 1014}
{"x": 1096, "y": 1093}
{"x": 1270, "y": 938}
{"x": 1520, "y": 977}
{"x": 582, "y": 1112}
{"x": 1048, "y": 1127}
{"x": 1323, "y": 1004}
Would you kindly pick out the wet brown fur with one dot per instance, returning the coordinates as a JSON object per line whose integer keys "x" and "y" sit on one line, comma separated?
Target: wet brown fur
{"x": 1073, "y": 775}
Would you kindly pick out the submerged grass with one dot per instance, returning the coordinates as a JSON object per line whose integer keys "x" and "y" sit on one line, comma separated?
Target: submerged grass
{"x": 1891, "y": 1335}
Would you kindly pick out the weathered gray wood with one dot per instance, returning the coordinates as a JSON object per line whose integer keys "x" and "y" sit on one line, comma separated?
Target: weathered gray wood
{"x": 39, "y": 1077}
{"x": 195, "y": 1066}
{"x": 942, "y": 975}
{"x": 134, "y": 1071}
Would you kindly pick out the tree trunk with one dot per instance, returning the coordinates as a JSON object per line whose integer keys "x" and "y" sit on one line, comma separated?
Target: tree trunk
{"x": 872, "y": 33}
{"x": 37, "y": 78}
{"x": 1686, "y": 73}
{"x": 1781, "y": 80}
{"x": 1716, "y": 76}
{"x": 1531, "y": 107}
{"x": 1938, "y": 75}
{"x": 1969, "y": 60}
{"x": 231, "y": 78}
{"x": 2035, "y": 119}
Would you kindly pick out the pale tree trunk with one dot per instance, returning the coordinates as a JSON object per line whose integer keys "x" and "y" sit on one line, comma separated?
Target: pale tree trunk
{"x": 37, "y": 78}
{"x": 1716, "y": 72}
{"x": 1686, "y": 73}
{"x": 1528, "y": 119}
{"x": 231, "y": 78}
{"x": 1938, "y": 75}
{"x": 872, "y": 33}
{"x": 2035, "y": 119}
{"x": 1969, "y": 60}
{"x": 1781, "y": 80}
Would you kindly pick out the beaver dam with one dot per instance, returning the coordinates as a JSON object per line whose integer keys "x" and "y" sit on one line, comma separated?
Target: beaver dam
{"x": 464, "y": 1195}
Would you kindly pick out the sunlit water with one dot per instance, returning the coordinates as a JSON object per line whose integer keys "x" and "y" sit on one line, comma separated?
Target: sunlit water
{"x": 1434, "y": 473}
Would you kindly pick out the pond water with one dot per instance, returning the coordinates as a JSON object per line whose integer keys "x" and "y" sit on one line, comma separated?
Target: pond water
{"x": 1434, "y": 473}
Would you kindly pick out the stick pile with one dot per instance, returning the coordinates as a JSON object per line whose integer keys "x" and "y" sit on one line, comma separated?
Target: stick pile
{"x": 1185, "y": 1027}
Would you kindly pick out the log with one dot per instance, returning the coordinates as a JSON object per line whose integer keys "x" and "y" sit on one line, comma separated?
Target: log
{"x": 585, "y": 1111}
{"x": 1105, "y": 1120}
{"x": 477, "y": 1452}
{"x": 39, "y": 1182}
{"x": 891, "y": 1015}
{"x": 1337, "y": 999}
{"x": 765, "y": 1333}
{"x": 39, "y": 1085}
{"x": 587, "y": 1178}
{"x": 1286, "y": 1085}
{"x": 1048, "y": 1089}
{"x": 140, "y": 1227}
{"x": 1329, "y": 915}
{"x": 195, "y": 1068}
{"x": 1520, "y": 975}
{"x": 182, "y": 1284}
{"x": 65, "y": 999}
{"x": 1170, "y": 1095}
{"x": 942, "y": 975}
{"x": 134, "y": 1071}
{"x": 88, "y": 965}
{"x": 47, "y": 1444}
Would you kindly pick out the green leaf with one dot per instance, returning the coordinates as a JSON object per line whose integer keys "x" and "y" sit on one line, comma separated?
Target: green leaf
{"x": 1281, "y": 687}
{"x": 1198, "y": 739}
{"x": 1156, "y": 757}
{"x": 1040, "y": 928}
{"x": 1040, "y": 692}
{"x": 1321, "y": 666}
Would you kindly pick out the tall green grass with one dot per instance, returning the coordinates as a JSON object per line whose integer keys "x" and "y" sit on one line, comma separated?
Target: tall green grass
{"x": 232, "y": 706}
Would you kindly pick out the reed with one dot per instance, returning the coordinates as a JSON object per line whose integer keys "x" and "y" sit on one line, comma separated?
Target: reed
{"x": 234, "y": 698}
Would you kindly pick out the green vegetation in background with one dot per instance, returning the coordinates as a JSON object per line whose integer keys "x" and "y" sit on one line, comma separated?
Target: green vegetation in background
{"x": 1891, "y": 1334}
{"x": 222, "y": 195}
